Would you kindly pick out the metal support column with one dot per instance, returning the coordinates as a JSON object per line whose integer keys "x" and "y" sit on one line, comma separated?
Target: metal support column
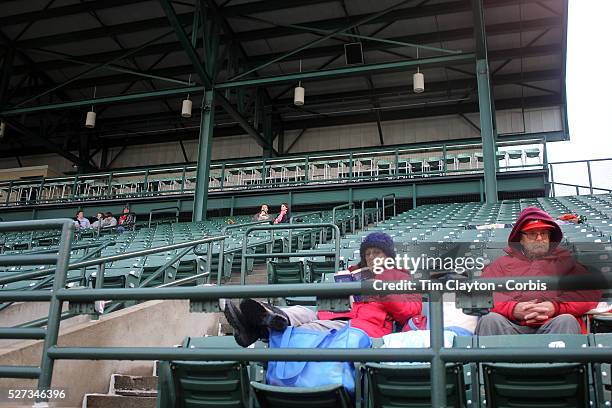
{"x": 200, "y": 203}
{"x": 267, "y": 134}
{"x": 485, "y": 104}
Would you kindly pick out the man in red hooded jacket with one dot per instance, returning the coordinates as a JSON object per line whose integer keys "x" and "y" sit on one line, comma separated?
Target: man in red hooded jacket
{"x": 533, "y": 251}
{"x": 252, "y": 319}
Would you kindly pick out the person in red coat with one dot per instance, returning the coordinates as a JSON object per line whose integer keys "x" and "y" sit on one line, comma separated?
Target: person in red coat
{"x": 533, "y": 250}
{"x": 252, "y": 319}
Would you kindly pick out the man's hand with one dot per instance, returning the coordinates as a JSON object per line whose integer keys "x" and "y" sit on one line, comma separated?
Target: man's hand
{"x": 522, "y": 309}
{"x": 540, "y": 312}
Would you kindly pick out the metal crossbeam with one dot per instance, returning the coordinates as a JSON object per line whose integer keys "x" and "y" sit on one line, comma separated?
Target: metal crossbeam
{"x": 325, "y": 37}
{"x": 346, "y": 71}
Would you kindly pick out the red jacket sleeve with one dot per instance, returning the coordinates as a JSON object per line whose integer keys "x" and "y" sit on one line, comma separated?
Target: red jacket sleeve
{"x": 502, "y": 303}
{"x": 577, "y": 302}
{"x": 402, "y": 308}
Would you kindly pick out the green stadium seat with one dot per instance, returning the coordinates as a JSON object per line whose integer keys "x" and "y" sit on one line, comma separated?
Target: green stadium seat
{"x": 317, "y": 269}
{"x": 203, "y": 384}
{"x": 330, "y": 396}
{"x": 536, "y": 385}
{"x": 285, "y": 272}
{"x": 464, "y": 158}
{"x": 515, "y": 154}
{"x": 532, "y": 153}
{"x": 602, "y": 372}
{"x": 388, "y": 386}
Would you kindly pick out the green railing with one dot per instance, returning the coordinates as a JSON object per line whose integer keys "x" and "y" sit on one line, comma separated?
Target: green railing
{"x": 289, "y": 227}
{"x": 313, "y": 169}
{"x": 589, "y": 164}
{"x": 207, "y": 297}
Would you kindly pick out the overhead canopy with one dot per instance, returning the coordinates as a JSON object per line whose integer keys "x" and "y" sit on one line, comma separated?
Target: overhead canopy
{"x": 62, "y": 51}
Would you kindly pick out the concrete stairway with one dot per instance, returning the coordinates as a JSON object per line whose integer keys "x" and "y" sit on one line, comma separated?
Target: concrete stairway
{"x": 125, "y": 391}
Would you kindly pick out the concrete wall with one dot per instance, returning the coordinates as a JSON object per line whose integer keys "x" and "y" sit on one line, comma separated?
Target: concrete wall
{"x": 150, "y": 324}
{"x": 434, "y": 129}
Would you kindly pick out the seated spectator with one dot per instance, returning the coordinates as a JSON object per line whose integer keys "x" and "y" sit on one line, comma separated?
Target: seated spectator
{"x": 262, "y": 215}
{"x": 533, "y": 251}
{"x": 284, "y": 216}
{"x": 126, "y": 220}
{"x": 109, "y": 220}
{"x": 81, "y": 222}
{"x": 99, "y": 222}
{"x": 252, "y": 319}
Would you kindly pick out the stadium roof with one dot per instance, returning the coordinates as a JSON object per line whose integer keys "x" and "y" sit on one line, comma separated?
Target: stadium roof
{"x": 64, "y": 49}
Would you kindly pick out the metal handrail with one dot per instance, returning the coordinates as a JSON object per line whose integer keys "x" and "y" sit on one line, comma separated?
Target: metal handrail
{"x": 221, "y": 262}
{"x": 363, "y": 203}
{"x": 272, "y": 228}
{"x": 339, "y": 207}
{"x": 384, "y": 207}
{"x": 126, "y": 255}
{"x": 320, "y": 213}
{"x": 44, "y": 373}
{"x": 298, "y": 160}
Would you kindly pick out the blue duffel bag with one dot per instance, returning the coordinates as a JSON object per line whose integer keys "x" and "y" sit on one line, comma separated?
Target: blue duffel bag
{"x": 315, "y": 373}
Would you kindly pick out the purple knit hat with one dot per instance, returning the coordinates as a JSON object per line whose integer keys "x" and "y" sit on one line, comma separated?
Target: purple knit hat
{"x": 377, "y": 240}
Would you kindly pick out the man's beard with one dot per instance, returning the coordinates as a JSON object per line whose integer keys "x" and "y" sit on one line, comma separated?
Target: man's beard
{"x": 536, "y": 250}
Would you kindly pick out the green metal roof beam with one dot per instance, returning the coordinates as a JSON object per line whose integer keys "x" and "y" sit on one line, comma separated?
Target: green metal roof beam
{"x": 325, "y": 51}
{"x": 93, "y": 69}
{"x": 407, "y": 13}
{"x": 101, "y": 101}
{"x": 112, "y": 67}
{"x": 440, "y": 86}
{"x": 310, "y": 44}
{"x": 185, "y": 42}
{"x": 496, "y": 55}
{"x": 346, "y": 71}
{"x": 244, "y": 124}
{"x": 465, "y": 33}
{"x": 351, "y": 35}
{"x": 64, "y": 11}
{"x": 268, "y": 5}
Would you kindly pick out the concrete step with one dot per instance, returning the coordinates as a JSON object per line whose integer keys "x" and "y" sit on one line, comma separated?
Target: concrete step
{"x": 118, "y": 401}
{"x": 143, "y": 386}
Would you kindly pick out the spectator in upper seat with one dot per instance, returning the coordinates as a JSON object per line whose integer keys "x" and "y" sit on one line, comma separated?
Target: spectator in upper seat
{"x": 375, "y": 315}
{"x": 81, "y": 222}
{"x": 126, "y": 220}
{"x": 262, "y": 215}
{"x": 99, "y": 222}
{"x": 284, "y": 216}
{"x": 533, "y": 250}
{"x": 109, "y": 220}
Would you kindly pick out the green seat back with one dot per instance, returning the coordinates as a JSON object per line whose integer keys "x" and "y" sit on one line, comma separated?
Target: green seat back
{"x": 285, "y": 272}
{"x": 318, "y": 268}
{"x": 203, "y": 384}
{"x": 330, "y": 396}
{"x": 536, "y": 385}
{"x": 391, "y": 386}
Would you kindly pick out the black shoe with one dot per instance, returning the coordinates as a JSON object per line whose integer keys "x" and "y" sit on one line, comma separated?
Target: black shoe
{"x": 244, "y": 333}
{"x": 262, "y": 314}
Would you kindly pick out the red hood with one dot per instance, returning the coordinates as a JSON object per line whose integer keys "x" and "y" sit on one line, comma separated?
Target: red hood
{"x": 531, "y": 214}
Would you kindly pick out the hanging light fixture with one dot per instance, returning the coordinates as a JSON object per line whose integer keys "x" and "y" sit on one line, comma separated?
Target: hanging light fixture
{"x": 418, "y": 79}
{"x": 90, "y": 120}
{"x": 2, "y": 128}
{"x": 299, "y": 92}
{"x": 187, "y": 104}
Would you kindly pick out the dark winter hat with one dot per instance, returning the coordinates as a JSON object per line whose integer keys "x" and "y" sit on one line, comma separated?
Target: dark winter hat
{"x": 377, "y": 240}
